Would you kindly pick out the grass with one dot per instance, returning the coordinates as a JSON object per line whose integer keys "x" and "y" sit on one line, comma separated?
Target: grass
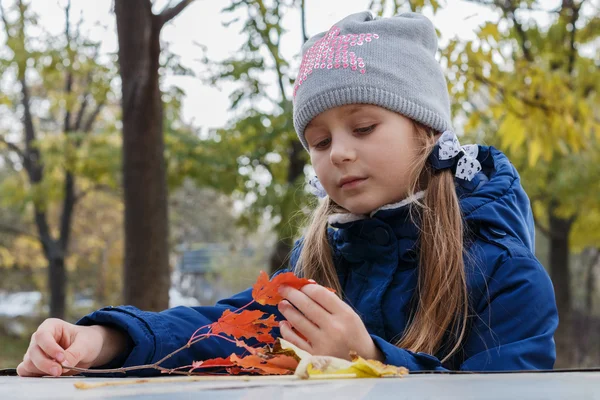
{"x": 12, "y": 351}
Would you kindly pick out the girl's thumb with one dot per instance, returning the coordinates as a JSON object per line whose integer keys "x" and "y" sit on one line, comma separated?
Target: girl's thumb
{"x": 74, "y": 354}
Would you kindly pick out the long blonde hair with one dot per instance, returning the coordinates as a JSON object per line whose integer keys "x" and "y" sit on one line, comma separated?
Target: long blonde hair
{"x": 442, "y": 290}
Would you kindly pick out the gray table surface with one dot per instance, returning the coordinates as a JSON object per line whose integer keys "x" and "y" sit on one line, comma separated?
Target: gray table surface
{"x": 573, "y": 385}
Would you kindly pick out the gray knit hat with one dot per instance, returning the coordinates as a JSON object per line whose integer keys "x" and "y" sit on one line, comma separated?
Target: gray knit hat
{"x": 389, "y": 62}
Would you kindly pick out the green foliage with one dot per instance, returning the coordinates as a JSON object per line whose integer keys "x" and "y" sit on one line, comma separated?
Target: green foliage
{"x": 75, "y": 128}
{"x": 383, "y": 7}
{"x": 534, "y": 93}
{"x": 251, "y": 157}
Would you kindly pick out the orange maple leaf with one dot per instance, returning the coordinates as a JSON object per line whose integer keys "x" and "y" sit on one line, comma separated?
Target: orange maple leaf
{"x": 277, "y": 365}
{"x": 246, "y": 324}
{"x": 212, "y": 363}
{"x": 265, "y": 291}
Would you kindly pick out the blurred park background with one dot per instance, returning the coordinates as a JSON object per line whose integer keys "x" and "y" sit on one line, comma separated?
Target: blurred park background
{"x": 148, "y": 157}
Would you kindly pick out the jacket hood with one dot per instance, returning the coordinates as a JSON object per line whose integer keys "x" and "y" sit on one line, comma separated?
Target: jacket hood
{"x": 500, "y": 203}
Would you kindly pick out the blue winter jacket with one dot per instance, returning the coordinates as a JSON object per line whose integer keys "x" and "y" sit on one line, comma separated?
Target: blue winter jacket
{"x": 510, "y": 293}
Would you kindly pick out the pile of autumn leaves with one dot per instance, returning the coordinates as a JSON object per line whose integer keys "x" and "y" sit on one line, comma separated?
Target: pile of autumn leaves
{"x": 274, "y": 356}
{"x": 271, "y": 359}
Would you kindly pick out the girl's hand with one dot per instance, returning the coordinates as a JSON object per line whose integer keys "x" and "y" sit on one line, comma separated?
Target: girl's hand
{"x": 57, "y": 343}
{"x": 326, "y": 325}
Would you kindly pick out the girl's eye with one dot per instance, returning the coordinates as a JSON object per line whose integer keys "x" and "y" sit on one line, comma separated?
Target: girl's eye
{"x": 367, "y": 129}
{"x": 323, "y": 143}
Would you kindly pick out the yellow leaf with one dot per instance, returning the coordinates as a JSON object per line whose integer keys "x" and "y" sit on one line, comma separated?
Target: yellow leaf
{"x": 535, "y": 150}
{"x": 512, "y": 132}
{"x": 320, "y": 367}
{"x": 326, "y": 367}
{"x": 489, "y": 29}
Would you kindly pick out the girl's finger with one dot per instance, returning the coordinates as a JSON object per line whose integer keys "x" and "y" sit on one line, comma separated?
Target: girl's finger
{"x": 311, "y": 309}
{"x": 46, "y": 341}
{"x": 26, "y": 368}
{"x": 298, "y": 321}
{"x": 289, "y": 334}
{"x": 44, "y": 364}
{"x": 328, "y": 300}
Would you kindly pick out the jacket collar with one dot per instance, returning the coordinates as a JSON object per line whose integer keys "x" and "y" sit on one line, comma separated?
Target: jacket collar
{"x": 338, "y": 220}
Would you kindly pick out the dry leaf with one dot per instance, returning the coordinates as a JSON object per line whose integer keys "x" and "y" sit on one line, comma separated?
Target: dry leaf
{"x": 318, "y": 366}
{"x": 331, "y": 367}
{"x": 284, "y": 345}
{"x": 213, "y": 363}
{"x": 265, "y": 291}
{"x": 246, "y": 324}
{"x": 377, "y": 367}
{"x": 276, "y": 365}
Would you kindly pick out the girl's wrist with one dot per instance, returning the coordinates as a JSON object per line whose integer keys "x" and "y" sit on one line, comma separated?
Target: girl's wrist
{"x": 375, "y": 353}
{"x": 113, "y": 343}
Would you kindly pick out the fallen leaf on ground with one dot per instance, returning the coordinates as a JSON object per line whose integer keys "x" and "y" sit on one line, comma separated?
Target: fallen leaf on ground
{"x": 213, "y": 363}
{"x": 321, "y": 366}
{"x": 274, "y": 365}
{"x": 332, "y": 367}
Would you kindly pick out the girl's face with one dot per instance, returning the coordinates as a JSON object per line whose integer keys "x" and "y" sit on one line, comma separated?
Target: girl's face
{"x": 361, "y": 154}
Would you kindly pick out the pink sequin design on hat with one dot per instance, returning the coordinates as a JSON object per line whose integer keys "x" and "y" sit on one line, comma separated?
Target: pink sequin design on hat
{"x": 332, "y": 52}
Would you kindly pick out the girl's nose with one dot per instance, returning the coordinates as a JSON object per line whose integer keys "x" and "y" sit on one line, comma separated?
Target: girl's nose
{"x": 342, "y": 150}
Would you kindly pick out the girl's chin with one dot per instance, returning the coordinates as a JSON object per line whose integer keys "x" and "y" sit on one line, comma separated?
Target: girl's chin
{"x": 360, "y": 209}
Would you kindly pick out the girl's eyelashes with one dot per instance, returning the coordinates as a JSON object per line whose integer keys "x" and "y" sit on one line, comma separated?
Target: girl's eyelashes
{"x": 322, "y": 144}
{"x": 366, "y": 129}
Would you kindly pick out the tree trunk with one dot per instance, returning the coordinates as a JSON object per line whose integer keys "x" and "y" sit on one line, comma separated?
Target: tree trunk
{"x": 560, "y": 230}
{"x": 146, "y": 269}
{"x": 53, "y": 250}
{"x": 590, "y": 291}
{"x": 57, "y": 278}
{"x": 279, "y": 257}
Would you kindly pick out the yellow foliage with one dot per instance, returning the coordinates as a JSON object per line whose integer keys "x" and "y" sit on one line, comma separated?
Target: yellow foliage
{"x": 490, "y": 29}
{"x": 28, "y": 251}
{"x": 6, "y": 257}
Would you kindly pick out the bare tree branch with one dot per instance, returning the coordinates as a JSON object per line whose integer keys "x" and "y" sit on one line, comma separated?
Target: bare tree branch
{"x": 572, "y": 50}
{"x": 273, "y": 50}
{"x": 87, "y": 128}
{"x": 13, "y": 147}
{"x": 171, "y": 12}
{"x": 69, "y": 184}
{"x": 521, "y": 32}
{"x": 95, "y": 188}
{"x": 84, "y": 105}
{"x": 529, "y": 7}
{"x": 69, "y": 80}
{"x": 545, "y": 231}
{"x": 530, "y": 102}
{"x": 303, "y": 21}
{"x": 79, "y": 118}
{"x": 538, "y": 224}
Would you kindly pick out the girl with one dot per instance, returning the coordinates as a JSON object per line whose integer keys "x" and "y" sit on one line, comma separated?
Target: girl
{"x": 429, "y": 244}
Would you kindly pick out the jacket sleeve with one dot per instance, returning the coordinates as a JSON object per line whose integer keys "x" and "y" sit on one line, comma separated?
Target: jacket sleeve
{"x": 153, "y": 335}
{"x": 512, "y": 329}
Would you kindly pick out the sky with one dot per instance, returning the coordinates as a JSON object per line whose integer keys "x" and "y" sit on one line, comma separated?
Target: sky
{"x": 202, "y": 23}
